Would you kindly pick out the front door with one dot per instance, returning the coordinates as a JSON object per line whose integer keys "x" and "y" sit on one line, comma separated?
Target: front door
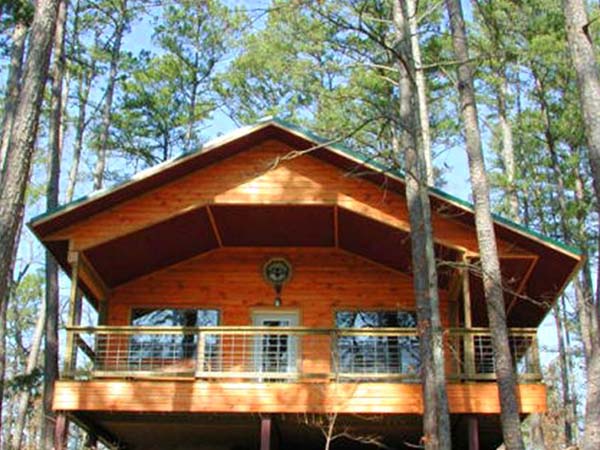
{"x": 276, "y": 352}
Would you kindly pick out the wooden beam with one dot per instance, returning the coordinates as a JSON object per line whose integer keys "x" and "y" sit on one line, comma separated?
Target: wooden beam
{"x": 213, "y": 224}
{"x": 92, "y": 277}
{"x": 522, "y": 284}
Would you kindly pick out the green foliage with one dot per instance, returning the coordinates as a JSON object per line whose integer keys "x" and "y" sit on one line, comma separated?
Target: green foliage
{"x": 167, "y": 95}
{"x": 18, "y": 11}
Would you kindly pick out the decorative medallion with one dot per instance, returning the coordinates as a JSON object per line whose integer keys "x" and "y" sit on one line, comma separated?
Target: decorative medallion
{"x": 277, "y": 271}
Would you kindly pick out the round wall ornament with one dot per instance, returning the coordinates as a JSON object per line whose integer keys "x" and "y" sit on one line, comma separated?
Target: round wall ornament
{"x": 277, "y": 271}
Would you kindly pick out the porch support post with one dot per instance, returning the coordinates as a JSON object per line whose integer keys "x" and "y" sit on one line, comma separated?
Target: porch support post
{"x": 265, "y": 433}
{"x": 469, "y": 350}
{"x": 74, "y": 313}
{"x": 473, "y": 430}
{"x": 102, "y": 312}
{"x": 61, "y": 430}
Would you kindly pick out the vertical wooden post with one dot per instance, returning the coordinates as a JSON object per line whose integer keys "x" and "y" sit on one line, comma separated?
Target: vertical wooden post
{"x": 535, "y": 357}
{"x": 61, "y": 431}
{"x": 200, "y": 354}
{"x": 473, "y": 431}
{"x": 102, "y": 312}
{"x": 469, "y": 362}
{"x": 74, "y": 301}
{"x": 265, "y": 433}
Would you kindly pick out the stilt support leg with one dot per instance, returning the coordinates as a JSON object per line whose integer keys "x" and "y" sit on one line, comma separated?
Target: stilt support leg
{"x": 265, "y": 433}
{"x": 473, "y": 426}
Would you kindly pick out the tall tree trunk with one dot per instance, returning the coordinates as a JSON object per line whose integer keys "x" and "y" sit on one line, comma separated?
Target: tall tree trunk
{"x": 583, "y": 56}
{"x": 3, "y": 310}
{"x": 115, "y": 58}
{"x": 23, "y": 398}
{"x": 436, "y": 419}
{"x": 23, "y": 135}
{"x": 564, "y": 375}
{"x": 486, "y": 237}
{"x": 562, "y": 331}
{"x": 50, "y": 426}
{"x": 508, "y": 148}
{"x": 538, "y": 441}
{"x": 12, "y": 89}
{"x": 421, "y": 91}
{"x": 85, "y": 84}
{"x": 584, "y": 291}
{"x": 192, "y": 111}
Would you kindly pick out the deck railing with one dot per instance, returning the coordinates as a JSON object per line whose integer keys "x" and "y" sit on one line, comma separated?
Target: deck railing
{"x": 286, "y": 353}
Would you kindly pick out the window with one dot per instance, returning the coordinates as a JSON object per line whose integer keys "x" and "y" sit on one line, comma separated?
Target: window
{"x": 377, "y": 353}
{"x": 160, "y": 348}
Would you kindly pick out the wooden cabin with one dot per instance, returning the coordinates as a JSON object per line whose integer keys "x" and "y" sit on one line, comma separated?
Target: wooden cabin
{"x": 253, "y": 292}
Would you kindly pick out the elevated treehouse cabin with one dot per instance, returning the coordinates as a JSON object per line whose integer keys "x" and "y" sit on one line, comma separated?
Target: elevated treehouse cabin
{"x": 250, "y": 293}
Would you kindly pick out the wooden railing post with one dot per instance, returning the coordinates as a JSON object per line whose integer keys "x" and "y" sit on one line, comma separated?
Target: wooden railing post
{"x": 74, "y": 316}
{"x": 468, "y": 337}
{"x": 535, "y": 356}
{"x": 200, "y": 353}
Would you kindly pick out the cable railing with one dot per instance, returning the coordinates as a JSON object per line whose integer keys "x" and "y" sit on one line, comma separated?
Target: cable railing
{"x": 279, "y": 354}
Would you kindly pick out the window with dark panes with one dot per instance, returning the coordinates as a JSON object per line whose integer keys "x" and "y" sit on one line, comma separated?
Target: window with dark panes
{"x": 148, "y": 348}
{"x": 387, "y": 353}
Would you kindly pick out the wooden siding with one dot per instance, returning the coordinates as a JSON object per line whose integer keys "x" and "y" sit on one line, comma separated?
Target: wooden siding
{"x": 230, "y": 280}
{"x": 249, "y": 178}
{"x": 196, "y": 396}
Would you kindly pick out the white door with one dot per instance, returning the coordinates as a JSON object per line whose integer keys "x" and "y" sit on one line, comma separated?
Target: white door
{"x": 276, "y": 352}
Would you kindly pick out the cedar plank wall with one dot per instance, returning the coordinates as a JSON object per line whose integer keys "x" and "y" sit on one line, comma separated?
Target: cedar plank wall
{"x": 250, "y": 178}
{"x": 230, "y": 279}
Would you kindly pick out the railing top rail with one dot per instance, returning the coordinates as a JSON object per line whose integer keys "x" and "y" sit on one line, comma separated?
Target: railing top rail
{"x": 481, "y": 330}
{"x": 106, "y": 329}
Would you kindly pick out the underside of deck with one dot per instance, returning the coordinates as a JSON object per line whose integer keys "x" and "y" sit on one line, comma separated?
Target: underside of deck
{"x": 287, "y": 431}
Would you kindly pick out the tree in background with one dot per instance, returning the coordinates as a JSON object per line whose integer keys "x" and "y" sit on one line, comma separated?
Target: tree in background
{"x": 436, "y": 418}
{"x": 588, "y": 81}
{"x": 53, "y": 430}
{"x": 23, "y": 134}
{"x": 486, "y": 237}
{"x": 341, "y": 80}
